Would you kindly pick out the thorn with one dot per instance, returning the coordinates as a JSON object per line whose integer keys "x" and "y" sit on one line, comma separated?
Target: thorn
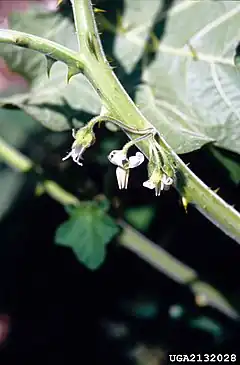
{"x": 185, "y": 204}
{"x": 97, "y": 10}
{"x": 188, "y": 164}
{"x": 193, "y": 52}
{"x": 50, "y": 62}
{"x": 71, "y": 72}
{"x": 110, "y": 59}
{"x": 216, "y": 190}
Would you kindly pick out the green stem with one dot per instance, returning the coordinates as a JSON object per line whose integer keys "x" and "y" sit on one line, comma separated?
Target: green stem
{"x": 14, "y": 158}
{"x": 133, "y": 142}
{"x": 130, "y": 238}
{"x": 125, "y": 128}
{"x": 163, "y": 261}
{"x": 88, "y": 37}
{"x": 45, "y": 46}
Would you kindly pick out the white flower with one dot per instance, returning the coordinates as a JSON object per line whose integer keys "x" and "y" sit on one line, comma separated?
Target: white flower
{"x": 76, "y": 154}
{"x": 119, "y": 158}
{"x": 84, "y": 138}
{"x": 158, "y": 181}
{"x": 122, "y": 177}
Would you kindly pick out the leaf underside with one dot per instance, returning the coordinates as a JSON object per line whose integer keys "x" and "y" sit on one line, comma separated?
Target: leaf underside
{"x": 50, "y": 100}
{"x": 191, "y": 102}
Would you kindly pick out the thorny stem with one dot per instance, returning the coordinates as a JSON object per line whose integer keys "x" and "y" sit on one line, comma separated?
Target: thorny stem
{"x": 129, "y": 238}
{"x": 87, "y": 34}
{"x": 45, "y": 46}
{"x": 92, "y": 61}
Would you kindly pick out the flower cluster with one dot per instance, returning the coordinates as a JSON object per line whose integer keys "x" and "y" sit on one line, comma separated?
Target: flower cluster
{"x": 159, "y": 177}
{"x": 158, "y": 180}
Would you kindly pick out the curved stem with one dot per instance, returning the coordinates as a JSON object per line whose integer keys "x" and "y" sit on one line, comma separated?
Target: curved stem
{"x": 124, "y": 127}
{"x": 133, "y": 142}
{"x": 45, "y": 46}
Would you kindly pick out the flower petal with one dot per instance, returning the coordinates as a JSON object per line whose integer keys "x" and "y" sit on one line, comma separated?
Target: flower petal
{"x": 149, "y": 184}
{"x": 162, "y": 186}
{"x": 167, "y": 180}
{"x": 122, "y": 177}
{"x": 66, "y": 157}
{"x": 77, "y": 152}
{"x": 117, "y": 157}
{"x": 136, "y": 160}
{"x": 158, "y": 190}
{"x": 77, "y": 159}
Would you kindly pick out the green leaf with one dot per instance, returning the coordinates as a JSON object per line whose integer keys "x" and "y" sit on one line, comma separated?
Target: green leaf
{"x": 130, "y": 40}
{"x": 87, "y": 231}
{"x": 190, "y": 91}
{"x": 140, "y": 217}
{"x": 229, "y": 163}
{"x": 48, "y": 99}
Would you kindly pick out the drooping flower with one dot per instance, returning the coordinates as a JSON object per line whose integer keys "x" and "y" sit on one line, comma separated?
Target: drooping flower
{"x": 158, "y": 180}
{"x": 84, "y": 138}
{"x": 124, "y": 164}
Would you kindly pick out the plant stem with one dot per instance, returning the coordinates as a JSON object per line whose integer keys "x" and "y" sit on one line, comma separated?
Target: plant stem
{"x": 130, "y": 238}
{"x": 14, "y": 158}
{"x": 88, "y": 38}
{"x": 105, "y": 118}
{"x": 160, "y": 259}
{"x": 42, "y": 45}
{"x": 119, "y": 105}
